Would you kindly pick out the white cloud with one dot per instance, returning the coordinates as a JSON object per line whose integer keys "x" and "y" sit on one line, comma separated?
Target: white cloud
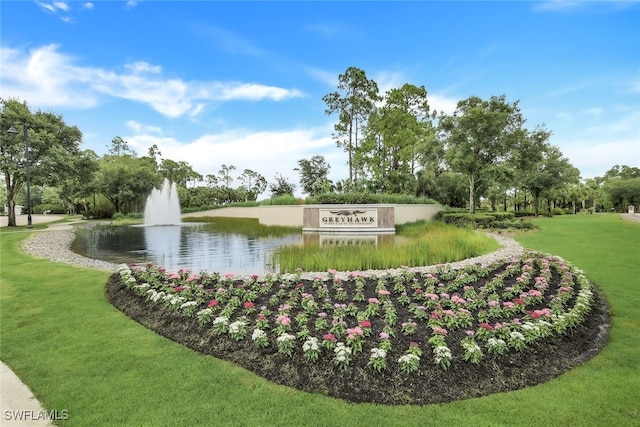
{"x": 61, "y": 5}
{"x": 46, "y": 77}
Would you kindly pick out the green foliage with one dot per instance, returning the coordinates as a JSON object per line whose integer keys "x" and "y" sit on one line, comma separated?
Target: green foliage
{"x": 623, "y": 192}
{"x": 286, "y": 199}
{"x": 478, "y": 135}
{"x": 314, "y": 175}
{"x": 367, "y": 198}
{"x": 352, "y": 103}
{"x": 281, "y": 186}
{"x": 489, "y": 220}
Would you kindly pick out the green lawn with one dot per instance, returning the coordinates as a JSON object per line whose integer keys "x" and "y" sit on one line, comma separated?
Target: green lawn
{"x": 78, "y": 353}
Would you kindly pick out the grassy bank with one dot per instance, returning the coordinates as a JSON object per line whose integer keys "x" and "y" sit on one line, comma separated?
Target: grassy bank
{"x": 79, "y": 354}
{"x": 422, "y": 243}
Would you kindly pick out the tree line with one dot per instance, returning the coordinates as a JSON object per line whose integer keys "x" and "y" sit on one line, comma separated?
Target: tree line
{"x": 394, "y": 143}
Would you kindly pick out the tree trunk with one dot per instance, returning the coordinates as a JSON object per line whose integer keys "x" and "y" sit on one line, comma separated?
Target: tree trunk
{"x": 11, "y": 203}
{"x": 472, "y": 193}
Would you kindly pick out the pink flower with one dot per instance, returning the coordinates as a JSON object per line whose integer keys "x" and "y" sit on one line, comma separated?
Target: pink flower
{"x": 470, "y": 333}
{"x": 193, "y": 277}
{"x": 354, "y": 332}
{"x": 383, "y": 335}
{"x": 329, "y": 337}
{"x": 439, "y": 330}
{"x": 486, "y": 326}
{"x": 179, "y": 288}
{"x": 213, "y": 303}
{"x": 248, "y": 304}
{"x": 174, "y": 276}
{"x": 383, "y": 292}
{"x": 374, "y": 301}
{"x": 283, "y": 320}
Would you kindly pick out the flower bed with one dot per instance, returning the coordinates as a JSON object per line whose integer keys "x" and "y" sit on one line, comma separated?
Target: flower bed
{"x": 380, "y": 337}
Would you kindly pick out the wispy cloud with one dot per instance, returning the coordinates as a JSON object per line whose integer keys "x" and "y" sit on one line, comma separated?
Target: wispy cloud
{"x": 49, "y": 78}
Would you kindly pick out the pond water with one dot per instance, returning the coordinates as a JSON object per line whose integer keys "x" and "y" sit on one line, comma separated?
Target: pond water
{"x": 192, "y": 246}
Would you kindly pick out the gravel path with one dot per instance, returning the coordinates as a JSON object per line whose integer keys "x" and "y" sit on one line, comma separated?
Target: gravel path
{"x": 54, "y": 244}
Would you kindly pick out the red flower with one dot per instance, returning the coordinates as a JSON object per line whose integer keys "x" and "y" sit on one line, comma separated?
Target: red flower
{"x": 329, "y": 337}
{"x": 519, "y": 301}
{"x": 179, "y": 288}
{"x": 365, "y": 324}
{"x": 486, "y": 326}
{"x": 248, "y": 304}
{"x": 213, "y": 303}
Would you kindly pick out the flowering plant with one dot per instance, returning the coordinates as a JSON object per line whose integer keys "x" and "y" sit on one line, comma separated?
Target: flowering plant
{"x": 378, "y": 359}
{"x": 342, "y": 356}
{"x": 285, "y": 343}
{"x": 311, "y": 349}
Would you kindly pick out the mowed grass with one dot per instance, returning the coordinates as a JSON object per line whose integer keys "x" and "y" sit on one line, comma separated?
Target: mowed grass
{"x": 78, "y": 353}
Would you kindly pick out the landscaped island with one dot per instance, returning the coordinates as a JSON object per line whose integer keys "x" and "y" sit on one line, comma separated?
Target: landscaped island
{"x": 410, "y": 337}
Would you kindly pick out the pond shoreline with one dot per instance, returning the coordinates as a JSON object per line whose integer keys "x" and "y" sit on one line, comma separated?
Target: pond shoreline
{"x": 55, "y": 245}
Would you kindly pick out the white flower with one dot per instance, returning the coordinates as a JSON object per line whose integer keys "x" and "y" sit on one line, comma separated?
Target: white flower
{"x": 285, "y": 337}
{"x": 311, "y": 344}
{"x": 222, "y": 320}
{"x": 258, "y": 334}
{"x": 236, "y": 327}
{"x": 408, "y": 358}
{"x": 188, "y": 304}
{"x": 442, "y": 352}
{"x": 378, "y": 353}
{"x": 517, "y": 335}
{"x": 496, "y": 342}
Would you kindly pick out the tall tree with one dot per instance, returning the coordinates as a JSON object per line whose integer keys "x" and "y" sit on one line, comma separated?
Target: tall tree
{"x": 553, "y": 171}
{"x": 478, "y": 135}
{"x": 52, "y": 145}
{"x": 124, "y": 179}
{"x": 253, "y": 184}
{"x": 353, "y": 102}
{"x": 281, "y": 186}
{"x": 314, "y": 174}
{"x": 398, "y": 135}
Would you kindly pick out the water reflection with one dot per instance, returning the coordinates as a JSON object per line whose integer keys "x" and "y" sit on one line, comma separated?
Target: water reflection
{"x": 191, "y": 246}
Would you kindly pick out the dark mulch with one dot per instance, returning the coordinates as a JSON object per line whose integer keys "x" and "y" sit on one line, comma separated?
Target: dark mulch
{"x": 548, "y": 359}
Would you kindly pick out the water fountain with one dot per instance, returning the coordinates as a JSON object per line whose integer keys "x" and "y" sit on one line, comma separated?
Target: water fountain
{"x": 163, "y": 206}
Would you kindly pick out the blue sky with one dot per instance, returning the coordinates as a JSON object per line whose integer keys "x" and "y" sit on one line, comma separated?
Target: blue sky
{"x": 241, "y": 83}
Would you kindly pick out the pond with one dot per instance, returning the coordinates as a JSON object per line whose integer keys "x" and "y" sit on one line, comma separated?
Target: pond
{"x": 196, "y": 247}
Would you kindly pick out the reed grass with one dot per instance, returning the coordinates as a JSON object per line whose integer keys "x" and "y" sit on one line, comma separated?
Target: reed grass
{"x": 247, "y": 226}
{"x": 420, "y": 243}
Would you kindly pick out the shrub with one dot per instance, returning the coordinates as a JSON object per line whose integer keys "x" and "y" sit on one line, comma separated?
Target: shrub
{"x": 520, "y": 214}
{"x": 366, "y": 198}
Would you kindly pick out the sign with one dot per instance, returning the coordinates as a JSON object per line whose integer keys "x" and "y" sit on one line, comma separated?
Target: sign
{"x": 336, "y": 218}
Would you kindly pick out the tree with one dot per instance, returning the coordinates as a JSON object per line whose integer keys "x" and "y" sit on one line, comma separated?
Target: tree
{"x": 623, "y": 192}
{"x": 225, "y": 175}
{"x": 52, "y": 146}
{"x": 253, "y": 184}
{"x": 398, "y": 135}
{"x": 478, "y": 136}
{"x": 314, "y": 174}
{"x": 124, "y": 179}
{"x": 281, "y": 187}
{"x": 353, "y": 104}
{"x": 179, "y": 173}
{"x": 553, "y": 171}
